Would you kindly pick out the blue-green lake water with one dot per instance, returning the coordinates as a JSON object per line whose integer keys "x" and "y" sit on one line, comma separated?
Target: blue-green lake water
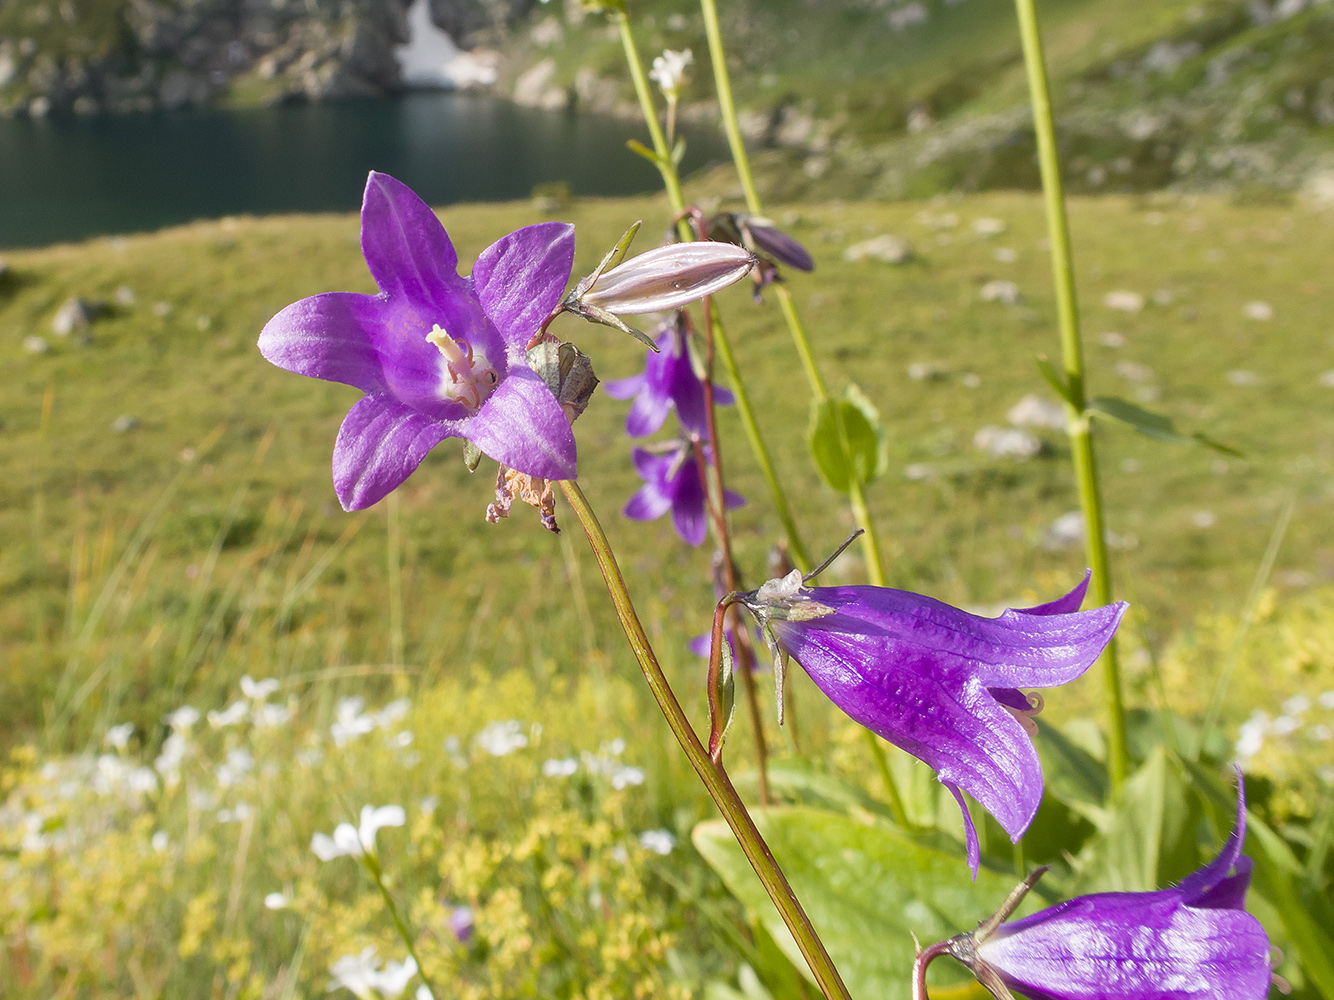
{"x": 69, "y": 178}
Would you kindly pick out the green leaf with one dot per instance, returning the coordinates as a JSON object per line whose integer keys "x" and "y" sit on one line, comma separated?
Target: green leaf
{"x": 1071, "y": 773}
{"x": 1154, "y": 425}
{"x": 635, "y": 146}
{"x": 1148, "y": 837}
{"x": 847, "y": 440}
{"x": 678, "y": 152}
{"x": 866, "y": 888}
{"x": 1054, "y": 379}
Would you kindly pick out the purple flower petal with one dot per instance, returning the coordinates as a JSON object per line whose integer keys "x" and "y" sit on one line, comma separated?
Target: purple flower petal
{"x": 406, "y": 247}
{"x": 971, "y": 846}
{"x": 379, "y": 445}
{"x": 647, "y": 414}
{"x": 521, "y": 278}
{"x": 328, "y": 337}
{"x": 941, "y": 683}
{"x": 1191, "y": 942}
{"x": 1133, "y": 946}
{"x": 523, "y": 426}
{"x": 1068, "y": 604}
{"x": 624, "y": 388}
{"x": 647, "y": 504}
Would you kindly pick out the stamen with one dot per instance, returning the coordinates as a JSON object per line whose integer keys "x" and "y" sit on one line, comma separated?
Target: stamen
{"x": 469, "y": 377}
{"x": 1025, "y": 717}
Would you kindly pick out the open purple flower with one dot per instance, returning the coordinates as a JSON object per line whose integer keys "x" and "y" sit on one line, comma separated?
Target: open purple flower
{"x": 668, "y": 380}
{"x": 938, "y": 682}
{"x": 672, "y": 482}
{"x": 1191, "y": 942}
{"x": 437, "y": 355}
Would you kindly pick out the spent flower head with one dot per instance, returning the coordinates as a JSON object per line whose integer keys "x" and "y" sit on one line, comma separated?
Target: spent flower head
{"x": 939, "y": 682}
{"x": 437, "y": 355}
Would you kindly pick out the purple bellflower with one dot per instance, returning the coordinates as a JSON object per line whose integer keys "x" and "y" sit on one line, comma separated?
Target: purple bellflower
{"x": 668, "y": 380}
{"x": 672, "y": 482}
{"x": 1193, "y": 941}
{"x": 437, "y": 355}
{"x": 938, "y": 682}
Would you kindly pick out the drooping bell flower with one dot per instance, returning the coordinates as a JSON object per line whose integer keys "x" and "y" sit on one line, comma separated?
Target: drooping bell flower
{"x": 1193, "y": 941}
{"x": 668, "y": 381}
{"x": 437, "y": 355}
{"x": 938, "y": 682}
{"x": 672, "y": 482}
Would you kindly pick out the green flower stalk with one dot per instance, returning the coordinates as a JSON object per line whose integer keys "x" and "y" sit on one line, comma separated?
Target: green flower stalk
{"x": 870, "y": 539}
{"x": 1072, "y": 356}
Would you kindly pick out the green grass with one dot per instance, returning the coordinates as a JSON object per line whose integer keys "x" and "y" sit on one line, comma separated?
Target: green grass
{"x": 229, "y": 557}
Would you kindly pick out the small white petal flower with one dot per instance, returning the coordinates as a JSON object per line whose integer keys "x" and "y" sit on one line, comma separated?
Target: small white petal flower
{"x": 657, "y": 841}
{"x": 183, "y": 718}
{"x": 560, "y": 768}
{"x": 624, "y": 777}
{"x": 268, "y": 716}
{"x": 233, "y": 714}
{"x": 373, "y": 820}
{"x": 356, "y": 973}
{"x": 258, "y": 690}
{"x": 669, "y": 71}
{"x": 276, "y": 901}
{"x": 393, "y": 979}
{"x": 502, "y": 738}
{"x": 343, "y": 843}
{"x": 118, "y": 737}
{"x": 160, "y": 841}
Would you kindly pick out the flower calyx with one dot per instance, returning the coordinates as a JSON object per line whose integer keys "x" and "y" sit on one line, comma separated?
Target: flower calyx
{"x": 963, "y": 948}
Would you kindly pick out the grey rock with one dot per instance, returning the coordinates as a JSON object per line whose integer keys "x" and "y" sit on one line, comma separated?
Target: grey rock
{"x": 75, "y": 314}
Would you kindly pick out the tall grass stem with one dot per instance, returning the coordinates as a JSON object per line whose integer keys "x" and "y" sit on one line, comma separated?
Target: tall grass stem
{"x": 715, "y": 779}
{"x": 1072, "y": 352}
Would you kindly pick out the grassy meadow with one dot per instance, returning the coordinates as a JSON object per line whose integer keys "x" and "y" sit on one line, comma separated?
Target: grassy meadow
{"x": 168, "y": 526}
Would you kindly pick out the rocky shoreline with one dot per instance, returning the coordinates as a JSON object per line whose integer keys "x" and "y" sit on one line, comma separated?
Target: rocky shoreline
{"x": 140, "y": 55}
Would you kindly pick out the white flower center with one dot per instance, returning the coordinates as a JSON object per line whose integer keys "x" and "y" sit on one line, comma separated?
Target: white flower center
{"x": 469, "y": 378}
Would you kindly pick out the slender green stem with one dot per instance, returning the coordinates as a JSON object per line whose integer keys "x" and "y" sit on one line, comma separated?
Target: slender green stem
{"x": 395, "y": 547}
{"x": 723, "y": 83}
{"x": 1081, "y": 441}
{"x": 670, "y": 179}
{"x": 372, "y": 865}
{"x": 870, "y": 541}
{"x": 796, "y": 548}
{"x": 715, "y": 779}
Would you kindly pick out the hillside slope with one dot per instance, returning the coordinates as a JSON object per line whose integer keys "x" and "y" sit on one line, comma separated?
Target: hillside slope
{"x": 879, "y": 98}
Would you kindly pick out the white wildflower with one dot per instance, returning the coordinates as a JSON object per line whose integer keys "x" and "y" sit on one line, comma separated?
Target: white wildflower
{"x": 350, "y": 721}
{"x": 1326, "y": 699}
{"x": 1251, "y": 736}
{"x": 1296, "y": 705}
{"x": 1261, "y": 311}
{"x": 1124, "y": 301}
{"x": 657, "y": 841}
{"x": 363, "y": 976}
{"x": 118, "y": 737}
{"x": 357, "y": 841}
{"x": 160, "y": 841}
{"x": 183, "y": 718}
{"x": 233, "y": 714}
{"x": 258, "y": 690}
{"x": 270, "y": 716}
{"x": 669, "y": 71}
{"x": 624, "y": 777}
{"x": 233, "y": 770}
{"x": 1284, "y": 725}
{"x": 276, "y": 901}
{"x": 502, "y": 738}
{"x": 562, "y": 767}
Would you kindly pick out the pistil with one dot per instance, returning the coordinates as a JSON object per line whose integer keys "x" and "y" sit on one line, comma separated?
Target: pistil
{"x": 469, "y": 377}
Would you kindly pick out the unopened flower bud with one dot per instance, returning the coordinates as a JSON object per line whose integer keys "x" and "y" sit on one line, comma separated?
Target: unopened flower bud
{"x": 667, "y": 278}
